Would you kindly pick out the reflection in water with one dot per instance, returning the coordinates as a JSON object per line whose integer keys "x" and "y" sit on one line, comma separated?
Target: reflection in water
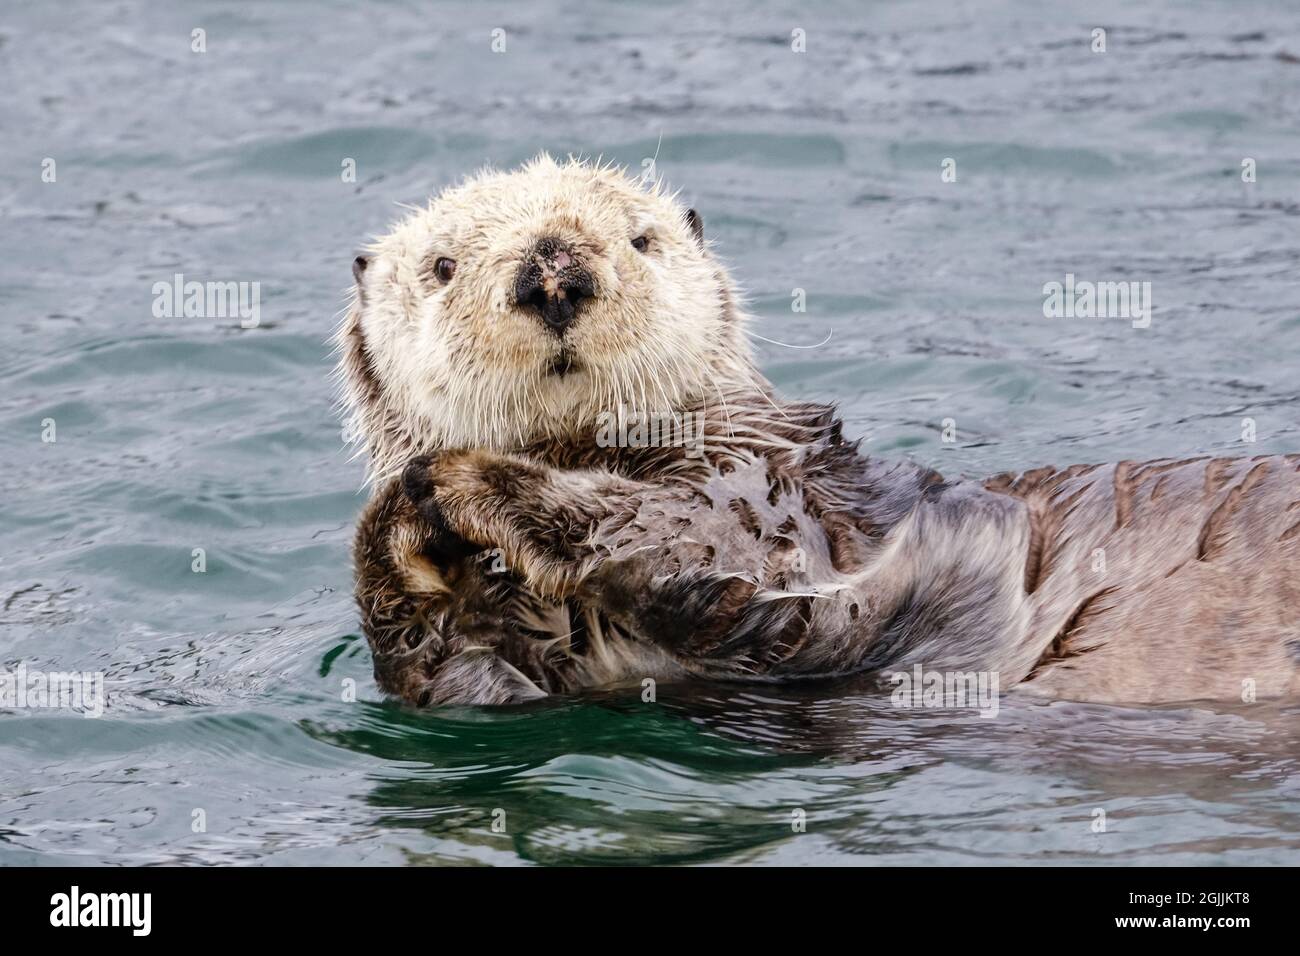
{"x": 720, "y": 773}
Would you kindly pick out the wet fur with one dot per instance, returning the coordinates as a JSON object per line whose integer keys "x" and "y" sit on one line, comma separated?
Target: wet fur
{"x": 539, "y": 563}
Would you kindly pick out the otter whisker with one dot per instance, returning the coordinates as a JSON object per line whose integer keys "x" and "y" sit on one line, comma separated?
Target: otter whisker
{"x": 754, "y": 335}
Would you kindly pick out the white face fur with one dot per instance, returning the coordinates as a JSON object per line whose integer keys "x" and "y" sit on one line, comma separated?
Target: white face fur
{"x": 439, "y": 351}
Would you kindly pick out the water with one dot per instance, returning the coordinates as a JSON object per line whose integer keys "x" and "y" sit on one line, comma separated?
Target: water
{"x": 818, "y": 171}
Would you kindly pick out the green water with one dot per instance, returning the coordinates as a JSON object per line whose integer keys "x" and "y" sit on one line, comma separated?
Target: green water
{"x": 230, "y": 691}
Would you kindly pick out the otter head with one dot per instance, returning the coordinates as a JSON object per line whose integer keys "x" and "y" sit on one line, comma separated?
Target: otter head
{"x": 519, "y": 306}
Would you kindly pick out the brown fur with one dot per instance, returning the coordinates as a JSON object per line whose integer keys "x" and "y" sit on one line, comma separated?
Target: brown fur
{"x": 1002, "y": 575}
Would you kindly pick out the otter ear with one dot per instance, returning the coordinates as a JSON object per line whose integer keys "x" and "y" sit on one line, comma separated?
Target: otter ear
{"x": 696, "y": 222}
{"x": 359, "y": 267}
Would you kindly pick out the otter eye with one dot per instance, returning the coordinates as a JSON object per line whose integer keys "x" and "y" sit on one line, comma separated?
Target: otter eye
{"x": 445, "y": 268}
{"x": 640, "y": 243}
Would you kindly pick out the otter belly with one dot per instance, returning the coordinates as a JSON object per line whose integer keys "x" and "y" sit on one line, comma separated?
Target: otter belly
{"x": 1141, "y": 582}
{"x": 1163, "y": 580}
{"x": 1138, "y": 582}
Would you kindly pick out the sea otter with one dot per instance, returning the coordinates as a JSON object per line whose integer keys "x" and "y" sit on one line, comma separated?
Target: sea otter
{"x": 512, "y": 550}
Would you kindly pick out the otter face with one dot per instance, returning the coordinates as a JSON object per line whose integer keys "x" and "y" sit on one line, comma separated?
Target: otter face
{"x": 519, "y": 306}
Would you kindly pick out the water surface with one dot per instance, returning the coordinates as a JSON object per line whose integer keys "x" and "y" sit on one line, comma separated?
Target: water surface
{"x": 817, "y": 171}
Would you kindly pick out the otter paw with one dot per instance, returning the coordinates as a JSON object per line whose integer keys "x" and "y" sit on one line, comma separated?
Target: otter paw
{"x": 420, "y": 483}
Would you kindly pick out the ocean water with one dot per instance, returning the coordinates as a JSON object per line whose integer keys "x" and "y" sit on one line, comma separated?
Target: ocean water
{"x": 228, "y": 736}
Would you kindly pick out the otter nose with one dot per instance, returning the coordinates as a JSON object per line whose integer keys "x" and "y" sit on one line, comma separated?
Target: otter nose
{"x": 552, "y": 283}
